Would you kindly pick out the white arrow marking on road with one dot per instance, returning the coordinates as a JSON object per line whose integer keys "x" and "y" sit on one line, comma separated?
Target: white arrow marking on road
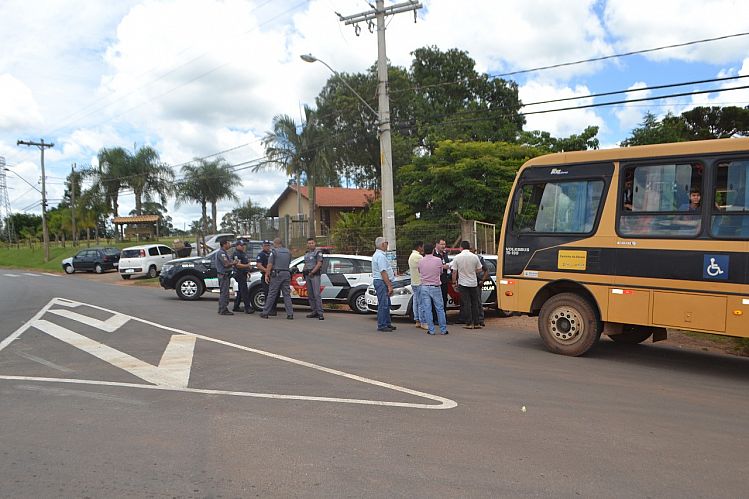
{"x": 173, "y": 370}
{"x": 110, "y": 325}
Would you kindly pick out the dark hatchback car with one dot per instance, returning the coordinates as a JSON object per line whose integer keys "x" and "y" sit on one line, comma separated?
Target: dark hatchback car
{"x": 191, "y": 277}
{"x": 92, "y": 260}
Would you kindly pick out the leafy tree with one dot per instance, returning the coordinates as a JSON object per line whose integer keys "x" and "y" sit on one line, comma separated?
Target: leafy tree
{"x": 246, "y": 219}
{"x": 472, "y": 179}
{"x": 207, "y": 181}
{"x": 545, "y": 142}
{"x": 300, "y": 151}
{"x": 652, "y": 131}
{"x": 26, "y": 225}
{"x": 147, "y": 177}
{"x": 716, "y": 122}
{"x": 114, "y": 166}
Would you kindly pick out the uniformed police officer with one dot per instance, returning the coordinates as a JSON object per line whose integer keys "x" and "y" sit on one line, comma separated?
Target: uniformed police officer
{"x": 279, "y": 279}
{"x": 261, "y": 262}
{"x": 311, "y": 271}
{"x": 223, "y": 269}
{"x": 241, "y": 269}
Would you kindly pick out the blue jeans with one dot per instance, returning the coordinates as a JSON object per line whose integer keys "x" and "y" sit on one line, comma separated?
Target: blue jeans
{"x": 418, "y": 308}
{"x": 432, "y": 295}
{"x": 383, "y": 304}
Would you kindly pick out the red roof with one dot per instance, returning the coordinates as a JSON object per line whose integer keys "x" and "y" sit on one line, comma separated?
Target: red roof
{"x": 330, "y": 197}
{"x": 340, "y": 197}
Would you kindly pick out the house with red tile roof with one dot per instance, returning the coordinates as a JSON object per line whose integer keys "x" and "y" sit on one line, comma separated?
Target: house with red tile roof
{"x": 331, "y": 202}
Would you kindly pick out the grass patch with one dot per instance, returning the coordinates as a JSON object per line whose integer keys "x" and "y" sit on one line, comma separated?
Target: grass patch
{"x": 32, "y": 258}
{"x": 739, "y": 345}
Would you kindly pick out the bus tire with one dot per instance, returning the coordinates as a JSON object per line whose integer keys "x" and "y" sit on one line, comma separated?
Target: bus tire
{"x": 568, "y": 324}
{"x": 632, "y": 335}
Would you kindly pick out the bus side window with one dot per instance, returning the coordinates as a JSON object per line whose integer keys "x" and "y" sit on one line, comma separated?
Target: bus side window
{"x": 731, "y": 206}
{"x": 558, "y": 207}
{"x": 662, "y": 200}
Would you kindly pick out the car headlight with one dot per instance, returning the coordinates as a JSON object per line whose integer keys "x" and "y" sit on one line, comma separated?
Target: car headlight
{"x": 401, "y": 291}
{"x": 166, "y": 268}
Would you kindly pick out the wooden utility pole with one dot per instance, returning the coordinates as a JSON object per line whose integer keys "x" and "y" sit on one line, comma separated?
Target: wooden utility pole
{"x": 73, "y": 185}
{"x": 386, "y": 156}
{"x": 45, "y": 232}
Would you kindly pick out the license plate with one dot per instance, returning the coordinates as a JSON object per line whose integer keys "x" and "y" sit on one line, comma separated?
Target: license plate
{"x": 129, "y": 271}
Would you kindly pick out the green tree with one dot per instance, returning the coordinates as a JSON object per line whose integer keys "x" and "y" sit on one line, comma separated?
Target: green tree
{"x": 148, "y": 177}
{"x": 207, "y": 181}
{"x": 471, "y": 179}
{"x": 246, "y": 219}
{"x": 716, "y": 122}
{"x": 300, "y": 152}
{"x": 545, "y": 142}
{"x": 114, "y": 166}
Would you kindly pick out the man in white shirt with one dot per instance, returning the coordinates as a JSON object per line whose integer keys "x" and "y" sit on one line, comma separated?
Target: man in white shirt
{"x": 413, "y": 266}
{"x": 465, "y": 265}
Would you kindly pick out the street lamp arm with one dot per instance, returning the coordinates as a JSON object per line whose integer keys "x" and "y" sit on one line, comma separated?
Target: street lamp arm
{"x": 29, "y": 183}
{"x": 311, "y": 58}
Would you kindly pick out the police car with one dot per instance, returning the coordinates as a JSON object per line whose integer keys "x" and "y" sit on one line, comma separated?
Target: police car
{"x": 343, "y": 279}
{"x": 191, "y": 277}
{"x": 401, "y": 301}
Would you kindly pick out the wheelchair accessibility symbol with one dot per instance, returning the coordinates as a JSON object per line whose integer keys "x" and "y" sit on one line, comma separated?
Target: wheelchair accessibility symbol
{"x": 715, "y": 267}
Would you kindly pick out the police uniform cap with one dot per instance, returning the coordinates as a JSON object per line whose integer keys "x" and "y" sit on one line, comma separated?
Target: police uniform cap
{"x": 240, "y": 241}
{"x": 266, "y": 241}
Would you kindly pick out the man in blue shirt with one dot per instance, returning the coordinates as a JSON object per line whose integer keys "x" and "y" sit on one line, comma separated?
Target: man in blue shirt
{"x": 382, "y": 277}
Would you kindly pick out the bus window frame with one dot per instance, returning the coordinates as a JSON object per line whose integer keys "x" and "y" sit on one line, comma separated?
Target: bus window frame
{"x": 714, "y": 211}
{"x": 575, "y": 178}
{"x": 706, "y": 187}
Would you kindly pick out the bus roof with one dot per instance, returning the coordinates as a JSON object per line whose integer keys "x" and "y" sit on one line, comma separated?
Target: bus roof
{"x": 715, "y": 146}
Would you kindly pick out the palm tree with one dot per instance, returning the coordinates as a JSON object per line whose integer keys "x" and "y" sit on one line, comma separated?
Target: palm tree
{"x": 148, "y": 176}
{"x": 114, "y": 165}
{"x": 300, "y": 150}
{"x": 206, "y": 182}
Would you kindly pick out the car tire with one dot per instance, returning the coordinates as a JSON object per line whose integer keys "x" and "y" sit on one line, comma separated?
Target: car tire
{"x": 99, "y": 269}
{"x": 189, "y": 288}
{"x": 69, "y": 269}
{"x": 568, "y": 324}
{"x": 257, "y": 298}
{"x": 125, "y": 276}
{"x": 152, "y": 272}
{"x": 410, "y": 310}
{"x": 358, "y": 302}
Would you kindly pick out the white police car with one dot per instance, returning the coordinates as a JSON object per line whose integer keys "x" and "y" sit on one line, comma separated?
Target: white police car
{"x": 401, "y": 302}
{"x": 343, "y": 279}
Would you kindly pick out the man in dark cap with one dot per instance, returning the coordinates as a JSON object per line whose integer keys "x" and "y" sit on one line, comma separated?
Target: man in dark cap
{"x": 261, "y": 262}
{"x": 241, "y": 269}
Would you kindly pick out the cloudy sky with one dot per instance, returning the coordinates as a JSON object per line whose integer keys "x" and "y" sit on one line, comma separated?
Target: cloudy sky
{"x": 196, "y": 77}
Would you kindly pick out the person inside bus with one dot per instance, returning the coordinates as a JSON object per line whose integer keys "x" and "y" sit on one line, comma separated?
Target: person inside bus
{"x": 627, "y": 197}
{"x": 695, "y": 199}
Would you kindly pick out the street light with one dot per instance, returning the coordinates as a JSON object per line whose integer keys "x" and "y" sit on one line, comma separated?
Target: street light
{"x": 386, "y": 159}
{"x": 29, "y": 183}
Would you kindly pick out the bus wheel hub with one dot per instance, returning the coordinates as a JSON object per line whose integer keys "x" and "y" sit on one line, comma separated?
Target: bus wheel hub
{"x": 565, "y": 324}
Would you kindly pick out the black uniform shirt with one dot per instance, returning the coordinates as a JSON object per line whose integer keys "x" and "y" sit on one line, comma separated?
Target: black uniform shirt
{"x": 262, "y": 259}
{"x": 242, "y": 257}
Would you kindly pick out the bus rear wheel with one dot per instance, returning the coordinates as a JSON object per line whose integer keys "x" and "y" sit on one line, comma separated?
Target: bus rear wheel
{"x": 632, "y": 335}
{"x": 568, "y": 324}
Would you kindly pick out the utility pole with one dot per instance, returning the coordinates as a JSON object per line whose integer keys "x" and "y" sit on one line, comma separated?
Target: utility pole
{"x": 386, "y": 155}
{"x": 73, "y": 184}
{"x": 45, "y": 233}
{"x": 5, "y": 213}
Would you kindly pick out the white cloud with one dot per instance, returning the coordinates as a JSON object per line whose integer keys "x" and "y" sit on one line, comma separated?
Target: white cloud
{"x": 630, "y": 114}
{"x": 558, "y": 124}
{"x": 18, "y": 109}
{"x": 644, "y": 24}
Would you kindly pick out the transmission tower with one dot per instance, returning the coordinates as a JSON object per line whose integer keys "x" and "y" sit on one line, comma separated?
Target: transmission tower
{"x": 5, "y": 212}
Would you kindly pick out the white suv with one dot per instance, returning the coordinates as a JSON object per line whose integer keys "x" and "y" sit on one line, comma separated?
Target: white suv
{"x": 144, "y": 260}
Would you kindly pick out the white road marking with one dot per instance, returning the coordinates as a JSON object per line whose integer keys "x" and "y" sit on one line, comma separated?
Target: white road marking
{"x": 44, "y": 362}
{"x": 50, "y": 274}
{"x": 143, "y": 370}
{"x": 170, "y": 372}
{"x": 11, "y": 275}
{"x": 110, "y": 325}
{"x": 30, "y": 274}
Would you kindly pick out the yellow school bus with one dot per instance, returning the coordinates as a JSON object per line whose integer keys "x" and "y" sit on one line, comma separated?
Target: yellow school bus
{"x": 628, "y": 242}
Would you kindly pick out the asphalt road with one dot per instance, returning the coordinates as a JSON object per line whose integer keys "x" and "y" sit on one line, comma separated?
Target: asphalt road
{"x": 242, "y": 407}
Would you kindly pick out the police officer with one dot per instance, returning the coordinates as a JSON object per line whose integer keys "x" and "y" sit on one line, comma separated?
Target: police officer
{"x": 223, "y": 269}
{"x": 241, "y": 269}
{"x": 261, "y": 262}
{"x": 312, "y": 268}
{"x": 279, "y": 279}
